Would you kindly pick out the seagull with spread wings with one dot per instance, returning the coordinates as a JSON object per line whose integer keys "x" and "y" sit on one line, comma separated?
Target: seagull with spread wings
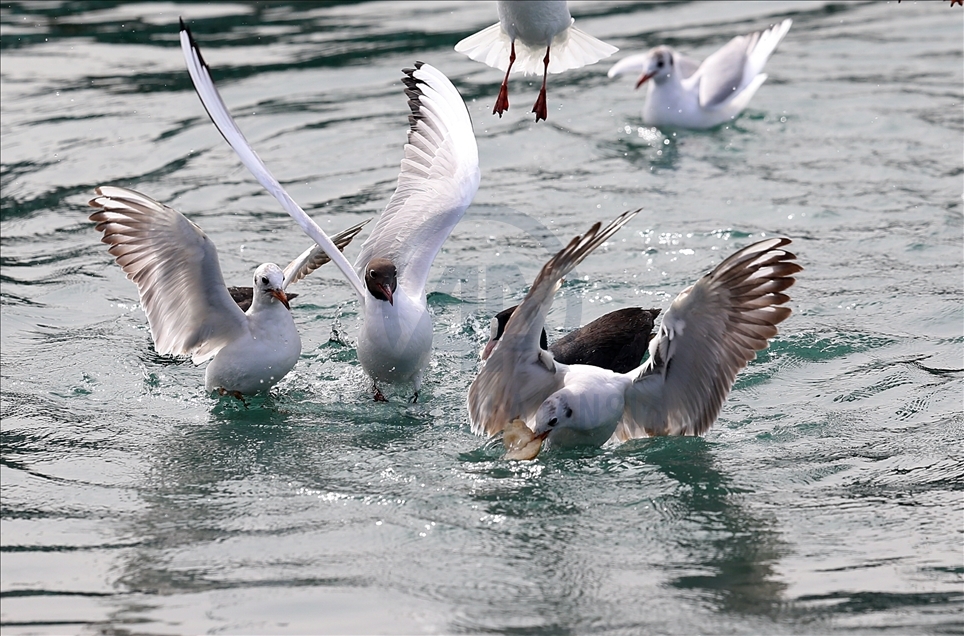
{"x": 438, "y": 179}
{"x": 190, "y": 311}
{"x": 709, "y": 333}
{"x": 533, "y": 36}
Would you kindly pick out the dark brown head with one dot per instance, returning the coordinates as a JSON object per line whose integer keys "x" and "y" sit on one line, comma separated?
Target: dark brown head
{"x": 497, "y": 328}
{"x": 381, "y": 278}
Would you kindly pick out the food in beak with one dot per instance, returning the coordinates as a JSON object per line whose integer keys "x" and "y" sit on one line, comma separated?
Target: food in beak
{"x": 520, "y": 442}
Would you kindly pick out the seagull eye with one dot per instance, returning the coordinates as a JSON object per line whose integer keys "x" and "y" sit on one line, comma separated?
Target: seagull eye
{"x": 264, "y": 280}
{"x": 659, "y": 64}
{"x": 372, "y": 274}
{"x": 552, "y": 422}
{"x": 568, "y": 412}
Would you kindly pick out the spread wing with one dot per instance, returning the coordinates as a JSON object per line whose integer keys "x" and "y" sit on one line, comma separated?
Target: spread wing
{"x": 307, "y": 262}
{"x": 438, "y": 179}
{"x": 710, "y": 332}
{"x": 315, "y": 256}
{"x": 519, "y": 375}
{"x": 211, "y": 99}
{"x": 730, "y": 69}
{"x": 686, "y": 65}
{"x": 176, "y": 270}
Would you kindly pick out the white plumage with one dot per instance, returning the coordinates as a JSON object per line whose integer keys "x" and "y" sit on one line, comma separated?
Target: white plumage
{"x": 175, "y": 267}
{"x": 533, "y": 36}
{"x": 438, "y": 178}
{"x": 687, "y": 94}
{"x": 710, "y": 332}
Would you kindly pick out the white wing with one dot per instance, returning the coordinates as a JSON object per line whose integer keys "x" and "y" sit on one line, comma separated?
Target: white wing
{"x": 572, "y": 48}
{"x": 686, "y": 65}
{"x": 490, "y": 46}
{"x": 211, "y": 99}
{"x": 176, "y": 270}
{"x": 635, "y": 63}
{"x": 314, "y": 257}
{"x": 710, "y": 332}
{"x": 438, "y": 179}
{"x": 518, "y": 376}
{"x": 732, "y": 68}
{"x": 639, "y": 63}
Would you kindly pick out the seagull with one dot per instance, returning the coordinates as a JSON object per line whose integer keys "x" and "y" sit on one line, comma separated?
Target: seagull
{"x": 519, "y": 374}
{"x": 309, "y": 260}
{"x": 687, "y": 94}
{"x": 710, "y": 332}
{"x": 537, "y": 26}
{"x": 616, "y": 341}
{"x": 438, "y": 180}
{"x": 190, "y": 311}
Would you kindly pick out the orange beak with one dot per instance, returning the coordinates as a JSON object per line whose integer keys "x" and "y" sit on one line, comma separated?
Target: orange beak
{"x": 280, "y": 295}
{"x": 644, "y": 79}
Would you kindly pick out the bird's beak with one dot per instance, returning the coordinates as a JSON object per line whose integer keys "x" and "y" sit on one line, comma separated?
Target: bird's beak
{"x": 489, "y": 348}
{"x": 280, "y": 295}
{"x": 388, "y": 293}
{"x": 644, "y": 79}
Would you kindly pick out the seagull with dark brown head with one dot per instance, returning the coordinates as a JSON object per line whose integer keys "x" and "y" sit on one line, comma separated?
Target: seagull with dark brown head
{"x": 438, "y": 179}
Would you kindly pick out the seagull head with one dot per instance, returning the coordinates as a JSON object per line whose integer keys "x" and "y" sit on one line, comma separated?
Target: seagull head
{"x": 268, "y": 283}
{"x": 585, "y": 413}
{"x": 656, "y": 64}
{"x": 381, "y": 278}
{"x": 553, "y": 414}
{"x": 497, "y": 328}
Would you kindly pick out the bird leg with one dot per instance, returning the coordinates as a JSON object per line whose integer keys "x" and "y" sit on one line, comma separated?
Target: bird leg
{"x": 235, "y": 394}
{"x": 415, "y": 398}
{"x": 539, "y": 108}
{"x": 502, "y": 102}
{"x": 378, "y": 394}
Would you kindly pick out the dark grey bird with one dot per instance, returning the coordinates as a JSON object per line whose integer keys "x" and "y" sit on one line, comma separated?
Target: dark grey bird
{"x": 617, "y": 341}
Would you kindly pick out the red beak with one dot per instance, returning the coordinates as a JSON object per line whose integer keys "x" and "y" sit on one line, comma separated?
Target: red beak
{"x": 280, "y": 295}
{"x": 388, "y": 292}
{"x": 489, "y": 346}
{"x": 643, "y": 79}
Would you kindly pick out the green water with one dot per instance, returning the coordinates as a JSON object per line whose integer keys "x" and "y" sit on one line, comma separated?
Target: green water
{"x": 827, "y": 497}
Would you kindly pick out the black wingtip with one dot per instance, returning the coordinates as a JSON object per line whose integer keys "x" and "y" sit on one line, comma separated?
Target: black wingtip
{"x": 414, "y": 94}
{"x": 193, "y": 42}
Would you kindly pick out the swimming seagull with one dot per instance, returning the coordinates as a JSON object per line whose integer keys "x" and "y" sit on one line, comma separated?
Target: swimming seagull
{"x": 309, "y": 260}
{"x": 537, "y": 26}
{"x": 438, "y": 179}
{"x": 710, "y": 332}
{"x": 616, "y": 341}
{"x": 190, "y": 311}
{"x": 687, "y": 94}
